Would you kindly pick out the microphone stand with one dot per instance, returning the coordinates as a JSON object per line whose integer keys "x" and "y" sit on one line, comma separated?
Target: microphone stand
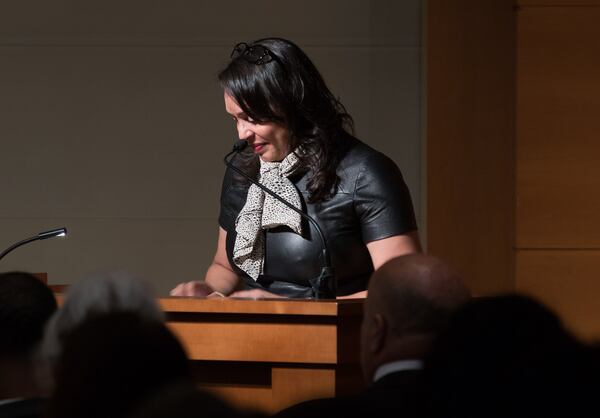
{"x": 42, "y": 235}
{"x": 324, "y": 286}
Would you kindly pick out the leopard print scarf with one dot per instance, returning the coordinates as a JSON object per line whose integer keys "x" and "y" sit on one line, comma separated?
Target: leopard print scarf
{"x": 262, "y": 211}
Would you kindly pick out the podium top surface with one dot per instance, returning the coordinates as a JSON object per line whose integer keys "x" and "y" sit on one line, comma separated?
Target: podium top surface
{"x": 332, "y": 307}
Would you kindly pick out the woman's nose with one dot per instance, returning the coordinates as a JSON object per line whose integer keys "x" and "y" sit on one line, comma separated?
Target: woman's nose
{"x": 243, "y": 130}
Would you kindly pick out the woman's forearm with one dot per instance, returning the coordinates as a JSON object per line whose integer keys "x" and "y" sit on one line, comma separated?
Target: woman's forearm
{"x": 221, "y": 279}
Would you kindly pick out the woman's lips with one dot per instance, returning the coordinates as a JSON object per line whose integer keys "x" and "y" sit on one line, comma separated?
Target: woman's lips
{"x": 258, "y": 147}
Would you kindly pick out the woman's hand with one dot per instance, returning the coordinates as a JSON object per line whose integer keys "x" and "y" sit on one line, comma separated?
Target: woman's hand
{"x": 219, "y": 281}
{"x": 195, "y": 288}
{"x": 254, "y": 294}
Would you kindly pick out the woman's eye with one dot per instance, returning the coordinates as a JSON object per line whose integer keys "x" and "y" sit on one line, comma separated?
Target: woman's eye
{"x": 244, "y": 118}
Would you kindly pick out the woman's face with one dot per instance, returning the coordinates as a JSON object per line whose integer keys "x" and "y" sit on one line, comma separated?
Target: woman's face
{"x": 269, "y": 140}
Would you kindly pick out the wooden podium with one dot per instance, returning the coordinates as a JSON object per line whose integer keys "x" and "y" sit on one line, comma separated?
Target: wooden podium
{"x": 270, "y": 354}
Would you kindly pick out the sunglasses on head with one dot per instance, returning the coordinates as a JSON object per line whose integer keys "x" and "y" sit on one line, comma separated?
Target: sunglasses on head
{"x": 255, "y": 54}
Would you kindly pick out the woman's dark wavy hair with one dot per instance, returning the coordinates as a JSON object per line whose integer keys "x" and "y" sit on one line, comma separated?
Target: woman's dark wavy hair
{"x": 290, "y": 91}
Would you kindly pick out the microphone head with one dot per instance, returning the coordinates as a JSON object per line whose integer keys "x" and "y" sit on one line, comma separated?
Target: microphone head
{"x": 59, "y": 232}
{"x": 240, "y": 145}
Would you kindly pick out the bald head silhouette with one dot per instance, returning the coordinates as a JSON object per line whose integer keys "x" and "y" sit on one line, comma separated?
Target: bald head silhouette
{"x": 410, "y": 299}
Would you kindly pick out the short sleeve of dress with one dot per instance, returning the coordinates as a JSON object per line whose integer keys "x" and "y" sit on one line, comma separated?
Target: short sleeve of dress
{"x": 382, "y": 200}
{"x": 233, "y": 197}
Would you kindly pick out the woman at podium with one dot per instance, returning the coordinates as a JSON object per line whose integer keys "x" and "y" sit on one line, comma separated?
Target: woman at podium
{"x": 301, "y": 147}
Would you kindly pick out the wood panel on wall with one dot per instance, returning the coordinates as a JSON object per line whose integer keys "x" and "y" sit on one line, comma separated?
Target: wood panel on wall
{"x": 566, "y": 281}
{"x": 470, "y": 139}
{"x": 558, "y": 175}
{"x": 549, "y": 63}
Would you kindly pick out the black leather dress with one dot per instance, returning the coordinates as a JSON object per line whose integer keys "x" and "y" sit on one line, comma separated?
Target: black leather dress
{"x": 372, "y": 202}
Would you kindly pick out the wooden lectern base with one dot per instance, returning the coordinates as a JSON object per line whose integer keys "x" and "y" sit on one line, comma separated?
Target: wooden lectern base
{"x": 270, "y": 354}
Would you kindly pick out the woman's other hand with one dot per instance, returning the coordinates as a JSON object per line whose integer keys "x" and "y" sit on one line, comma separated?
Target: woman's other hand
{"x": 254, "y": 294}
{"x": 195, "y": 288}
{"x": 219, "y": 281}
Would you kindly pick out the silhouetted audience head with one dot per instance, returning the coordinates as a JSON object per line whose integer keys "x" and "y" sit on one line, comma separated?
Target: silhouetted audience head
{"x": 111, "y": 362}
{"x": 505, "y": 356}
{"x": 26, "y": 304}
{"x": 410, "y": 299}
{"x": 105, "y": 293}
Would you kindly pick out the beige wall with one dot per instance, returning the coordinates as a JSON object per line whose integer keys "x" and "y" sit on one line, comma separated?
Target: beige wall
{"x": 111, "y": 122}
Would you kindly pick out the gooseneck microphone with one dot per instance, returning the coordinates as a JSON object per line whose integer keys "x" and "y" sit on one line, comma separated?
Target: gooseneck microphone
{"x": 324, "y": 286}
{"x": 59, "y": 232}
